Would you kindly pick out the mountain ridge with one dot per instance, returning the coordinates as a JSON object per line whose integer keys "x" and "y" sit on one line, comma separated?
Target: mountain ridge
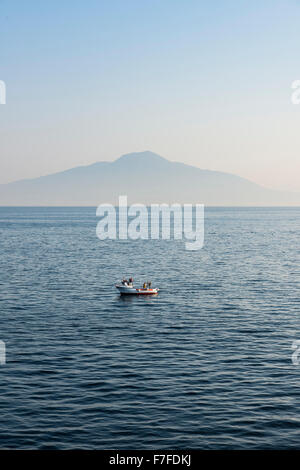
{"x": 145, "y": 177}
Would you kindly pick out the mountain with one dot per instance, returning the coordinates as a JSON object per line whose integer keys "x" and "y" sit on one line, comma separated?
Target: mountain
{"x": 144, "y": 177}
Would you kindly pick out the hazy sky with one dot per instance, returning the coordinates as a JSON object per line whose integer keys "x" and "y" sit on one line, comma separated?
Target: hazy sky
{"x": 203, "y": 82}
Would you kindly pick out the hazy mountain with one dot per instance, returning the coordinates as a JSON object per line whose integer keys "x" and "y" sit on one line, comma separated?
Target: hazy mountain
{"x": 143, "y": 177}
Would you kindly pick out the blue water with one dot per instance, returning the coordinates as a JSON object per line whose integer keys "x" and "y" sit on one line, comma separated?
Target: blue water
{"x": 205, "y": 365}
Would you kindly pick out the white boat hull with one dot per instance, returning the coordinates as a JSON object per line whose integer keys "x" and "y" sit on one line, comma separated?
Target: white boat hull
{"x": 128, "y": 290}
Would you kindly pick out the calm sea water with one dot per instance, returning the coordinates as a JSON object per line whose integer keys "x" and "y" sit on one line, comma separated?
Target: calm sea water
{"x": 205, "y": 365}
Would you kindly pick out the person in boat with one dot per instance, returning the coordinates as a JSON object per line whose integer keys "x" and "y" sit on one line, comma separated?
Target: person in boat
{"x": 149, "y": 285}
{"x": 125, "y": 282}
{"x": 145, "y": 285}
{"x": 130, "y": 281}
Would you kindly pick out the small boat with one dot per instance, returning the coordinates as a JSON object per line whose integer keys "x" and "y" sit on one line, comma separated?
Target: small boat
{"x": 130, "y": 290}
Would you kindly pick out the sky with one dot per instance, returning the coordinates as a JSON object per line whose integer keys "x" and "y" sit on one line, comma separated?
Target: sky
{"x": 207, "y": 83}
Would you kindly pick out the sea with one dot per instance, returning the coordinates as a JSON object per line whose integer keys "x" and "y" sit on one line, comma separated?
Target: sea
{"x": 211, "y": 362}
